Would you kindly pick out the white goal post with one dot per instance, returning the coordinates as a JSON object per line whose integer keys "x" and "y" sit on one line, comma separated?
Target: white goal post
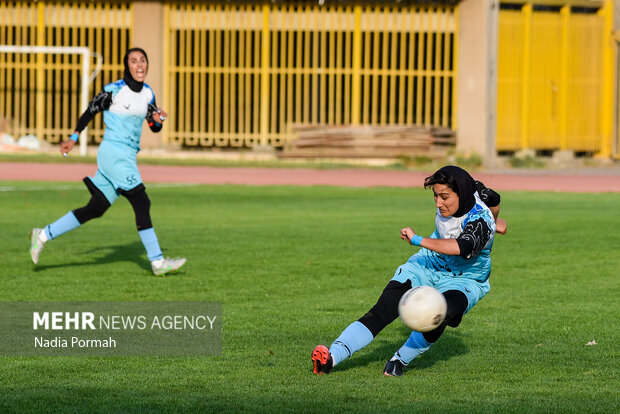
{"x": 87, "y": 78}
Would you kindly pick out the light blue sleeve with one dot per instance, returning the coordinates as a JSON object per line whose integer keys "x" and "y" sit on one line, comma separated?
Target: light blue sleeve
{"x": 114, "y": 87}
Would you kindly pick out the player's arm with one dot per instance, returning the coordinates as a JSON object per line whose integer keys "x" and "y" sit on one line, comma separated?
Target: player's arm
{"x": 155, "y": 117}
{"x": 99, "y": 103}
{"x": 443, "y": 246}
{"x": 492, "y": 199}
{"x": 474, "y": 237}
{"x": 470, "y": 242}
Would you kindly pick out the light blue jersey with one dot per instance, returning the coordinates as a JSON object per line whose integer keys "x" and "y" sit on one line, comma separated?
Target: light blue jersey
{"x": 124, "y": 112}
{"x": 479, "y": 224}
{"x": 123, "y": 119}
{"x": 468, "y": 273}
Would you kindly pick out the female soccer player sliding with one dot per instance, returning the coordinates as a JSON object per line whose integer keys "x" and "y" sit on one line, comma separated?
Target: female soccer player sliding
{"x": 455, "y": 260}
{"x": 125, "y": 104}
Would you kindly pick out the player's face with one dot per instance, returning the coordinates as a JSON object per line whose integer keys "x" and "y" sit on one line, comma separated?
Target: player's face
{"x": 138, "y": 66}
{"x": 446, "y": 200}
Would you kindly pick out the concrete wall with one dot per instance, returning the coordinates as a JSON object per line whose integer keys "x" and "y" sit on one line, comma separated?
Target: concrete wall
{"x": 149, "y": 35}
{"x": 477, "y": 78}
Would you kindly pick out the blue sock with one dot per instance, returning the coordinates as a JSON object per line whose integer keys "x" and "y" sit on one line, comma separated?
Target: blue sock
{"x": 61, "y": 226}
{"x": 415, "y": 346}
{"x": 352, "y": 339}
{"x": 149, "y": 240}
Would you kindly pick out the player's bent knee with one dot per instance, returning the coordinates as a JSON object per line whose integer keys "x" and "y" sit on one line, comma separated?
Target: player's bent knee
{"x": 457, "y": 305}
{"x": 432, "y": 336}
{"x": 96, "y": 207}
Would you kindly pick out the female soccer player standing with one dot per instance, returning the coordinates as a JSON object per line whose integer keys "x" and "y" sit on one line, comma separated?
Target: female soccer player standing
{"x": 125, "y": 103}
{"x": 455, "y": 260}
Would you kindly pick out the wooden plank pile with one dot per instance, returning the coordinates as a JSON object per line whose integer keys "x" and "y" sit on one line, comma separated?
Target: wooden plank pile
{"x": 365, "y": 141}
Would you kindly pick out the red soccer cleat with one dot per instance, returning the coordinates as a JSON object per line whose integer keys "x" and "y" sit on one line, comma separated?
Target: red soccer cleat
{"x": 322, "y": 360}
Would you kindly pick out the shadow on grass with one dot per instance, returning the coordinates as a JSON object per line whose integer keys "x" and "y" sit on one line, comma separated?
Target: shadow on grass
{"x": 449, "y": 345}
{"x": 129, "y": 252}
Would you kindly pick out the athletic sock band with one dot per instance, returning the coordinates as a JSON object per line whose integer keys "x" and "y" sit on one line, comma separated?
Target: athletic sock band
{"x": 355, "y": 337}
{"x": 151, "y": 244}
{"x": 416, "y": 240}
{"x": 61, "y": 226}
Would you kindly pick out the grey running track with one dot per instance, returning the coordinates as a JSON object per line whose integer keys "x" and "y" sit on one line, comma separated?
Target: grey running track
{"x": 598, "y": 180}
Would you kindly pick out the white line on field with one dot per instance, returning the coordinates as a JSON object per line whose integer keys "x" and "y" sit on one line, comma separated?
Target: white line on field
{"x": 81, "y": 187}
{"x": 51, "y": 188}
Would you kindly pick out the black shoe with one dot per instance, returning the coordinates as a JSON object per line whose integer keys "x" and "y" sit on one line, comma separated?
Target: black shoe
{"x": 393, "y": 368}
{"x": 322, "y": 360}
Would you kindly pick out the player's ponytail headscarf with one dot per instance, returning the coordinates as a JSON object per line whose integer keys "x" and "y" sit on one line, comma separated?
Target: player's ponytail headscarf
{"x": 133, "y": 84}
{"x": 460, "y": 182}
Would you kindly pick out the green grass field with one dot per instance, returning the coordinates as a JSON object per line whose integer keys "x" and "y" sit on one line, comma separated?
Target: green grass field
{"x": 294, "y": 266}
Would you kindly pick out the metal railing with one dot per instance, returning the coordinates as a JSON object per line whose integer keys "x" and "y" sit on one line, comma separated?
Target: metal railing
{"x": 245, "y": 75}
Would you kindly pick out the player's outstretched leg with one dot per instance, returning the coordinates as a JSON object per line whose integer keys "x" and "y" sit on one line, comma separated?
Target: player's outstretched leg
{"x": 361, "y": 332}
{"x": 355, "y": 337}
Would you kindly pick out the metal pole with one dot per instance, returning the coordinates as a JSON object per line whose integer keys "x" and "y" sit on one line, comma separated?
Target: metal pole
{"x": 265, "y": 66}
{"x": 84, "y": 99}
{"x": 356, "y": 78}
{"x": 491, "y": 82}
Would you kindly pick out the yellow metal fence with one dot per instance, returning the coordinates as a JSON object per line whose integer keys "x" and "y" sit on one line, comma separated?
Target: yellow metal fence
{"x": 40, "y": 93}
{"x": 246, "y": 75}
{"x": 554, "y": 78}
{"x": 242, "y": 75}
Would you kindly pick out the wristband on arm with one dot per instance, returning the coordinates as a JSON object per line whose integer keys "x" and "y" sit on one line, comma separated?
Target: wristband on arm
{"x": 74, "y": 137}
{"x": 416, "y": 240}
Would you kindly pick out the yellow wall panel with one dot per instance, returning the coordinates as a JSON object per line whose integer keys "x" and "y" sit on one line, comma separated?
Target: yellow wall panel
{"x": 510, "y": 80}
{"x": 551, "y": 77}
{"x": 544, "y": 81}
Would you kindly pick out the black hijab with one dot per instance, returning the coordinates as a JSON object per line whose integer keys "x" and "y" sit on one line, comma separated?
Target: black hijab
{"x": 129, "y": 80}
{"x": 466, "y": 187}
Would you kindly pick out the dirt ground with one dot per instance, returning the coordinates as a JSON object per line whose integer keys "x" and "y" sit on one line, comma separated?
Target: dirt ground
{"x": 594, "y": 180}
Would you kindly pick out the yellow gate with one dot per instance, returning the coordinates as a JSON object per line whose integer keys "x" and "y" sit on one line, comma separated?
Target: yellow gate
{"x": 40, "y": 93}
{"x": 554, "y": 77}
{"x": 246, "y": 74}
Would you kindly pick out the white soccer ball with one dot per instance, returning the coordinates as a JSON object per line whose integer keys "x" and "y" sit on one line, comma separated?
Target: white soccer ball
{"x": 422, "y": 308}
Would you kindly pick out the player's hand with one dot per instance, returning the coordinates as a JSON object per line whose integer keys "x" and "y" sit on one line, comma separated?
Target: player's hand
{"x": 159, "y": 116}
{"x": 501, "y": 226}
{"x": 406, "y": 234}
{"x": 66, "y": 146}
